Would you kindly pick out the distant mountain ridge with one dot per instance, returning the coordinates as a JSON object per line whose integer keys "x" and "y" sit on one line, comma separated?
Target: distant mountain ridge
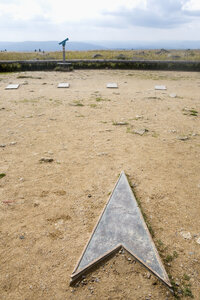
{"x": 30, "y": 46}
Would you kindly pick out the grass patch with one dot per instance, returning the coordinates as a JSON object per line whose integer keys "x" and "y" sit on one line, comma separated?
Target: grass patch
{"x": 181, "y": 290}
{"x": 28, "y": 76}
{"x": 76, "y": 103}
{"x": 80, "y": 116}
{"x": 170, "y": 258}
{"x": 2, "y": 175}
{"x": 119, "y": 123}
{"x": 190, "y": 112}
{"x": 93, "y": 105}
{"x": 28, "y": 101}
{"x": 185, "y": 55}
{"x": 99, "y": 99}
{"x": 155, "y": 135}
{"x": 186, "y": 277}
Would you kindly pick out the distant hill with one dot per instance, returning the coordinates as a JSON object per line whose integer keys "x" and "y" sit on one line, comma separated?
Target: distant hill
{"x": 30, "y": 46}
{"x": 47, "y": 46}
{"x": 144, "y": 45}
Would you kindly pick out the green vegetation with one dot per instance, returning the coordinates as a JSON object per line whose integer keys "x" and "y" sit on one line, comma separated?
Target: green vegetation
{"x": 119, "y": 123}
{"x": 27, "y": 76}
{"x": 190, "y": 112}
{"x": 76, "y": 103}
{"x": 186, "y": 277}
{"x": 2, "y": 175}
{"x": 99, "y": 99}
{"x": 172, "y": 55}
{"x": 93, "y": 105}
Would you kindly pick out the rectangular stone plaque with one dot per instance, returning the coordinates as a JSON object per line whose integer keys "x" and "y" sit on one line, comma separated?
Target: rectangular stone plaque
{"x": 112, "y": 85}
{"x": 160, "y": 87}
{"x": 12, "y": 87}
{"x": 63, "y": 85}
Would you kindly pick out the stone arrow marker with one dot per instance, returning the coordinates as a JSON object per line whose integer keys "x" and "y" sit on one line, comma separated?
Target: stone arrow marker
{"x": 121, "y": 225}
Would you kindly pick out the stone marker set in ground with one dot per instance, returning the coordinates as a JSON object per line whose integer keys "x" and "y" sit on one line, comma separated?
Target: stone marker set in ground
{"x": 12, "y": 87}
{"x": 63, "y": 85}
{"x": 121, "y": 225}
{"x": 112, "y": 85}
{"x": 160, "y": 87}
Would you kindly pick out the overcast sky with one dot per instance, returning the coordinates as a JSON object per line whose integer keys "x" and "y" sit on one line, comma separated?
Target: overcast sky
{"x": 87, "y": 20}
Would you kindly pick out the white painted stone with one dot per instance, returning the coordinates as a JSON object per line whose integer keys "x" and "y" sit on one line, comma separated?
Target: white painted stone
{"x": 112, "y": 85}
{"x": 12, "y": 87}
{"x": 160, "y": 87}
{"x": 173, "y": 95}
{"x": 63, "y": 85}
{"x": 186, "y": 235}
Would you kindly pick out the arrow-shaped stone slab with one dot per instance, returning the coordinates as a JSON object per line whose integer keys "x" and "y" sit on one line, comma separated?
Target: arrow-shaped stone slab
{"x": 122, "y": 225}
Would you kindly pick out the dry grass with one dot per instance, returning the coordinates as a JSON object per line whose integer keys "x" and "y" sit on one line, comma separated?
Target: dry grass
{"x": 193, "y": 55}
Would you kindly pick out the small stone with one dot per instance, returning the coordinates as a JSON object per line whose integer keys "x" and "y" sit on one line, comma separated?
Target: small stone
{"x": 50, "y": 152}
{"x": 148, "y": 275}
{"x": 129, "y": 259}
{"x": 21, "y": 179}
{"x": 183, "y": 138}
{"x": 186, "y": 235}
{"x": 140, "y": 131}
{"x": 13, "y": 143}
{"x": 2, "y": 145}
{"x": 137, "y": 117}
{"x": 84, "y": 282}
{"x": 173, "y": 95}
{"x": 22, "y": 237}
{"x": 46, "y": 160}
{"x": 36, "y": 204}
{"x": 89, "y": 195}
{"x": 198, "y": 241}
{"x": 102, "y": 154}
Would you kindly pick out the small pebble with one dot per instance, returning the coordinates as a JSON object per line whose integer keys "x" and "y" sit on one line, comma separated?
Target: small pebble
{"x": 172, "y": 95}
{"x": 186, "y": 235}
{"x": 148, "y": 275}
{"x": 183, "y": 138}
{"x": 140, "y": 131}
{"x": 198, "y": 241}
{"x": 22, "y": 237}
{"x": 2, "y": 145}
{"x": 13, "y": 143}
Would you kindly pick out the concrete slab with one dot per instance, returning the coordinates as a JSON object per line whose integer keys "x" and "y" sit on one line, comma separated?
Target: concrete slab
{"x": 63, "y": 85}
{"x": 122, "y": 225}
{"x": 112, "y": 85}
{"x": 160, "y": 87}
{"x": 12, "y": 87}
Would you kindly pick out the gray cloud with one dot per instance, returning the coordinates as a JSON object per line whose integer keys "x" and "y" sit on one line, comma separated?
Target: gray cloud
{"x": 157, "y": 14}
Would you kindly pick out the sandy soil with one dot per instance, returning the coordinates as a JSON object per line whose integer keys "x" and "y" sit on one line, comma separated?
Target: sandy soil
{"x": 48, "y": 210}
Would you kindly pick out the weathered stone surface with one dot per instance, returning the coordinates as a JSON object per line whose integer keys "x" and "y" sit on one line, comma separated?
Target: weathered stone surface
{"x": 122, "y": 225}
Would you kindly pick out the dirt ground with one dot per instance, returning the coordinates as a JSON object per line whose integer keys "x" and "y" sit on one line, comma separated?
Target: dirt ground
{"x": 49, "y": 209}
